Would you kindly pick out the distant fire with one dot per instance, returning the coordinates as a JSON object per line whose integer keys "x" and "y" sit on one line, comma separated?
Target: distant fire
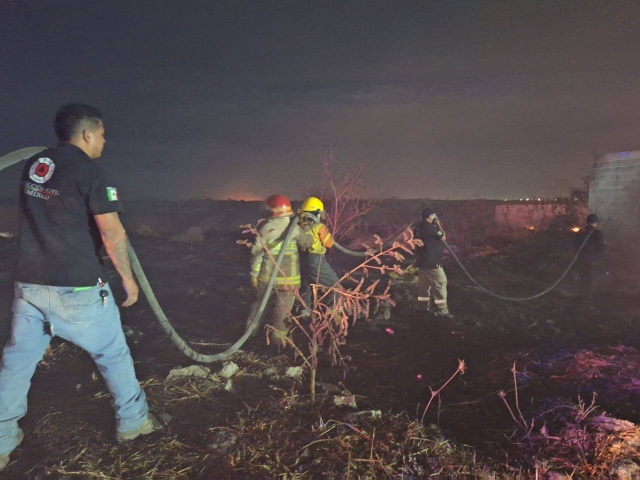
{"x": 248, "y": 197}
{"x": 575, "y": 229}
{"x": 531, "y": 228}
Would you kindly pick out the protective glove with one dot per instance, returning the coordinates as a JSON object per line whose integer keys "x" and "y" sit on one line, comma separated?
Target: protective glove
{"x": 254, "y": 284}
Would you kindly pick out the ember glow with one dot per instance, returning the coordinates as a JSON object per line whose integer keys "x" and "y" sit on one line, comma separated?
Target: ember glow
{"x": 575, "y": 229}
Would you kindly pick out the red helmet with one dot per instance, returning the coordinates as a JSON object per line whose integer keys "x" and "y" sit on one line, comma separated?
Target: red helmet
{"x": 279, "y": 206}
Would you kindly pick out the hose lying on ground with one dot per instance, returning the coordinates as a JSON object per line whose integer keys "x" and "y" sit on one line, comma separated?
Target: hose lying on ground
{"x": 25, "y": 153}
{"x": 519, "y": 299}
{"x": 171, "y": 332}
{"x": 22, "y": 154}
{"x": 466, "y": 272}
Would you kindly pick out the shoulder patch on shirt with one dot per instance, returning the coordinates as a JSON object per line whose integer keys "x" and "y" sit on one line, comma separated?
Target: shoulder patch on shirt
{"x": 112, "y": 194}
{"x": 42, "y": 170}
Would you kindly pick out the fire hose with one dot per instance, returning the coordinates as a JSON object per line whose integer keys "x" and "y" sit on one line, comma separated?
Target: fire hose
{"x": 19, "y": 155}
{"x": 349, "y": 252}
{"x": 25, "y": 153}
{"x": 353, "y": 253}
{"x": 474, "y": 281}
{"x": 520, "y": 299}
{"x": 364, "y": 254}
{"x": 171, "y": 332}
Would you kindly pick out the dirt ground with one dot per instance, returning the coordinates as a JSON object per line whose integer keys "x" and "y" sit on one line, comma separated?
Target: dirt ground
{"x": 261, "y": 424}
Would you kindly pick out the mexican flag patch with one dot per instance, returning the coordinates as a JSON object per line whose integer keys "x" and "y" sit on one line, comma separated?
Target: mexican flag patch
{"x": 112, "y": 194}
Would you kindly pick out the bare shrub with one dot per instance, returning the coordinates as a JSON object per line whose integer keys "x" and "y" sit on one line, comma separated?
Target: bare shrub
{"x": 333, "y": 307}
{"x": 344, "y": 205}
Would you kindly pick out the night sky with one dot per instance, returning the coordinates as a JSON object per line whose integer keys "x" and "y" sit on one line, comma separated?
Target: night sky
{"x": 444, "y": 99}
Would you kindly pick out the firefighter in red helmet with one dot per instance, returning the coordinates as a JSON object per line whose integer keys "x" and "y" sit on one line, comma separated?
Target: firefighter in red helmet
{"x": 271, "y": 235}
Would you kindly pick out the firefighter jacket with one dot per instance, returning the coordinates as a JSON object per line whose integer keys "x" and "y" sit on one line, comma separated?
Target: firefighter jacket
{"x": 268, "y": 244}
{"x": 322, "y": 238}
{"x": 428, "y": 255}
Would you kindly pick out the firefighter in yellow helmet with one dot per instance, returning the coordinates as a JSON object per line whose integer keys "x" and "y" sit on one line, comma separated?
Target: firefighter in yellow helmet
{"x": 266, "y": 248}
{"x": 315, "y": 269}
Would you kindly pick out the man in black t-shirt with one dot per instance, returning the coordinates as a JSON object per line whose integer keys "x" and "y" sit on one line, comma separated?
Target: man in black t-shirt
{"x": 432, "y": 281}
{"x": 68, "y": 212}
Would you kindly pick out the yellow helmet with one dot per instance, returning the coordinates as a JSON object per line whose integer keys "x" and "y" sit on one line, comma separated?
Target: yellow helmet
{"x": 312, "y": 204}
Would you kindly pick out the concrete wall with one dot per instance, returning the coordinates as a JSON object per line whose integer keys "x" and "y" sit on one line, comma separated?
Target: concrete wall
{"x": 614, "y": 195}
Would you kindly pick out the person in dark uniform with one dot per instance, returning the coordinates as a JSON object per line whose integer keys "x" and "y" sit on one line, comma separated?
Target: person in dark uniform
{"x": 432, "y": 281}
{"x": 68, "y": 212}
{"x": 590, "y": 265}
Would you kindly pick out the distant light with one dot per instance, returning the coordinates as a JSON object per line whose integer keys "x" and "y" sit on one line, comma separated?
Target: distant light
{"x": 531, "y": 228}
{"x": 389, "y": 331}
{"x": 527, "y": 199}
{"x": 419, "y": 376}
{"x": 520, "y": 199}
{"x": 538, "y": 199}
{"x": 575, "y": 229}
{"x": 505, "y": 199}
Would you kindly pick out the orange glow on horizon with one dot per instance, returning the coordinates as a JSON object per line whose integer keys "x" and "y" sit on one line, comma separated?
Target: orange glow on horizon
{"x": 247, "y": 197}
{"x": 240, "y": 194}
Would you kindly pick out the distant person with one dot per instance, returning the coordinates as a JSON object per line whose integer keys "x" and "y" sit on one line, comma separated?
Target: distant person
{"x": 432, "y": 281}
{"x": 590, "y": 265}
{"x": 265, "y": 250}
{"x": 68, "y": 211}
{"x": 315, "y": 268}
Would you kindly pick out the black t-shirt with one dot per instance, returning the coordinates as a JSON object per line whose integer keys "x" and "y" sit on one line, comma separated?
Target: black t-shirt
{"x": 61, "y": 189}
{"x": 428, "y": 255}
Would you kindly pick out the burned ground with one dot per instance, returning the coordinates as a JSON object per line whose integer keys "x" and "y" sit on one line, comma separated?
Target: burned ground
{"x": 260, "y": 423}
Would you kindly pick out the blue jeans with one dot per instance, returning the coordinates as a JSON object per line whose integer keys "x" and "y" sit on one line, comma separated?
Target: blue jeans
{"x": 80, "y": 318}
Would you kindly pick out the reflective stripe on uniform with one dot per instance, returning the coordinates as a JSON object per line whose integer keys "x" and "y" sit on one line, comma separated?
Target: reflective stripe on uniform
{"x": 275, "y": 247}
{"x": 290, "y": 258}
{"x": 437, "y": 302}
{"x": 293, "y": 281}
{"x": 424, "y": 299}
